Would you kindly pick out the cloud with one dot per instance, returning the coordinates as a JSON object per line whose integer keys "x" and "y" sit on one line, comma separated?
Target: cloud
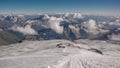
{"x": 27, "y": 30}
{"x": 31, "y": 21}
{"x": 77, "y": 15}
{"x": 91, "y": 26}
{"x": 21, "y": 16}
{"x": 46, "y": 16}
{"x": 54, "y": 24}
{"x": 73, "y": 15}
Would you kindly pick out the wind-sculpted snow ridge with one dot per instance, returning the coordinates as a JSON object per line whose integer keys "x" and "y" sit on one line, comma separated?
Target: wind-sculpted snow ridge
{"x": 59, "y": 54}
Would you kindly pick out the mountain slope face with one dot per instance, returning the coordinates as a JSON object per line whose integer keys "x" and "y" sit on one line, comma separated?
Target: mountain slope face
{"x": 60, "y": 54}
{"x": 8, "y": 38}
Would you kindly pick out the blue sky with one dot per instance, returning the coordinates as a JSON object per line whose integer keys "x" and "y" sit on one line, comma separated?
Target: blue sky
{"x": 60, "y": 6}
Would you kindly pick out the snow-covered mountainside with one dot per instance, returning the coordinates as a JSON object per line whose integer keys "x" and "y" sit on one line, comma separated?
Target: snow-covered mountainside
{"x": 60, "y": 54}
{"x": 41, "y": 41}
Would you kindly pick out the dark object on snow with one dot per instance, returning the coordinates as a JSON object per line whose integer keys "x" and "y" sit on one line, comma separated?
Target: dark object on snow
{"x": 60, "y": 45}
{"x": 20, "y": 41}
{"x": 95, "y": 50}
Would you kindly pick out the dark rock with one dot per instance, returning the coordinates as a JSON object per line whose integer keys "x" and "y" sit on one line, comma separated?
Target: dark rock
{"x": 95, "y": 50}
{"x": 60, "y": 45}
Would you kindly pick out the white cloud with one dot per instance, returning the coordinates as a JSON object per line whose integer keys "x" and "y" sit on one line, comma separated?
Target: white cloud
{"x": 31, "y": 21}
{"x": 77, "y": 15}
{"x": 27, "y": 30}
{"x": 46, "y": 16}
{"x": 54, "y": 24}
{"x": 73, "y": 15}
{"x": 91, "y": 26}
{"x": 21, "y": 16}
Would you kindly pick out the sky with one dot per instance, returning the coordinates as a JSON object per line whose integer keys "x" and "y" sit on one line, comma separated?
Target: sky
{"x": 105, "y": 7}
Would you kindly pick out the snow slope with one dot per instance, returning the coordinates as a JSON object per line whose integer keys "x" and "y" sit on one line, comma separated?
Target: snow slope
{"x": 45, "y": 54}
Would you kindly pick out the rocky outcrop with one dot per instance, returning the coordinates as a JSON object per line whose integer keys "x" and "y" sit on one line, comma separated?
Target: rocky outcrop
{"x": 8, "y": 38}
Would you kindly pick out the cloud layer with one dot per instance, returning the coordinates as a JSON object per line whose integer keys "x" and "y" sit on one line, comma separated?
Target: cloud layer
{"x": 27, "y": 30}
